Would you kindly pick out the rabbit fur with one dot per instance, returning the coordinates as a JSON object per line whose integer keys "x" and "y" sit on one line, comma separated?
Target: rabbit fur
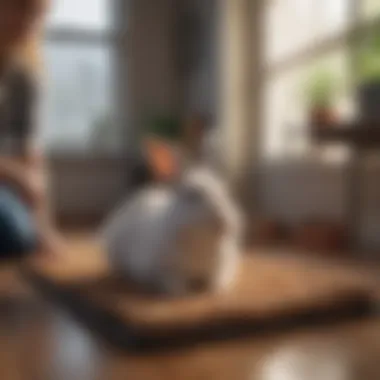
{"x": 177, "y": 239}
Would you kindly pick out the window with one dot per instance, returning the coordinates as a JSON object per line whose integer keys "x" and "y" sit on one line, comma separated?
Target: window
{"x": 300, "y": 37}
{"x": 80, "y": 51}
{"x": 86, "y": 14}
{"x": 370, "y": 9}
{"x": 294, "y": 25}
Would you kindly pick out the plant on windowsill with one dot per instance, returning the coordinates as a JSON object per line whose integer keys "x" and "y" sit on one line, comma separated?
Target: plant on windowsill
{"x": 321, "y": 90}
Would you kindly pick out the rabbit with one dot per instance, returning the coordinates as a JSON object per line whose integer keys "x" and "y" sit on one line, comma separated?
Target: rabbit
{"x": 177, "y": 239}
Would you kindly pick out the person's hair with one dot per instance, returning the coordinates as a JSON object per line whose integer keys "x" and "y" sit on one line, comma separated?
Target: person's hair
{"x": 30, "y": 52}
{"x": 31, "y": 56}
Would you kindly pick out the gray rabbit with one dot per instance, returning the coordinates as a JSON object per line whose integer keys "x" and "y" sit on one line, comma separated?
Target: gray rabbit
{"x": 177, "y": 239}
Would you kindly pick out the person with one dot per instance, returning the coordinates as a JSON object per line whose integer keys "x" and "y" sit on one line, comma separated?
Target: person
{"x": 25, "y": 224}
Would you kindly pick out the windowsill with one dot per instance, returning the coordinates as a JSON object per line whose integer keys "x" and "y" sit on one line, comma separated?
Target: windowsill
{"x": 79, "y": 160}
{"x": 331, "y": 157}
{"x": 77, "y": 154}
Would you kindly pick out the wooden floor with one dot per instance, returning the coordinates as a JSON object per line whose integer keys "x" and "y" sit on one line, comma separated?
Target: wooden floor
{"x": 38, "y": 341}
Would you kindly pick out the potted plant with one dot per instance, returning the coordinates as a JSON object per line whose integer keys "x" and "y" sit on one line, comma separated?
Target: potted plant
{"x": 160, "y": 143}
{"x": 320, "y": 91}
{"x": 368, "y": 89}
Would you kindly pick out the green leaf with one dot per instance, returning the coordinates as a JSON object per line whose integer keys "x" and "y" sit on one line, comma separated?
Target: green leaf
{"x": 321, "y": 87}
{"x": 164, "y": 126}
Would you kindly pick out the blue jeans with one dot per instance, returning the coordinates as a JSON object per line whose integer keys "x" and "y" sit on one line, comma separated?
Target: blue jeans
{"x": 18, "y": 235}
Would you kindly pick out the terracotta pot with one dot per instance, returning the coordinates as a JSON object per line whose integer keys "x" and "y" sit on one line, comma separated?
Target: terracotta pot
{"x": 322, "y": 117}
{"x": 162, "y": 157}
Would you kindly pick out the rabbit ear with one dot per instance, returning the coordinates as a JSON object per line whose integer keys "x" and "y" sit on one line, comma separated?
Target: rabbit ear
{"x": 162, "y": 158}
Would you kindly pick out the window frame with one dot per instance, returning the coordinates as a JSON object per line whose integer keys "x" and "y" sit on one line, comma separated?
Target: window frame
{"x": 114, "y": 38}
{"x": 348, "y": 38}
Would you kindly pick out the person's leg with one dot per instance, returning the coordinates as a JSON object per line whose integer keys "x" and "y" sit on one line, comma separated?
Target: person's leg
{"x": 17, "y": 228}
